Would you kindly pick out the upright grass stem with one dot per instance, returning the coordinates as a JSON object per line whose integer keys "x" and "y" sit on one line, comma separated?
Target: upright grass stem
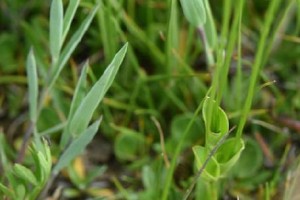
{"x": 271, "y": 12}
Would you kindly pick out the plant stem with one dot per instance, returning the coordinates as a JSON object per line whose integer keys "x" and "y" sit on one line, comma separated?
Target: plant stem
{"x": 271, "y": 12}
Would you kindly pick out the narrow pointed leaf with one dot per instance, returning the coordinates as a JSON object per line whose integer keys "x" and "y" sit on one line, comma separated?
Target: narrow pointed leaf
{"x": 33, "y": 85}
{"x": 77, "y": 146}
{"x": 71, "y": 45}
{"x": 194, "y": 11}
{"x": 56, "y": 28}
{"x": 71, "y": 10}
{"x": 77, "y": 98}
{"x": 89, "y": 104}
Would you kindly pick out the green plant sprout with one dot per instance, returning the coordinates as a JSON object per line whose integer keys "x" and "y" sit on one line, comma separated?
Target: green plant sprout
{"x": 23, "y": 183}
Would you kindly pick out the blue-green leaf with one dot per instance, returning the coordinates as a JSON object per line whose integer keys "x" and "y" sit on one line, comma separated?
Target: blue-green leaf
{"x": 89, "y": 104}
{"x": 71, "y": 45}
{"x": 71, "y": 10}
{"x": 194, "y": 11}
{"x": 56, "y": 28}
{"x": 77, "y": 98}
{"x": 32, "y": 79}
{"x": 77, "y": 146}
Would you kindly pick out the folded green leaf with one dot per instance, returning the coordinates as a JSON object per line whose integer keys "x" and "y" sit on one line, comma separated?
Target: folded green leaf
{"x": 89, "y": 104}
{"x": 212, "y": 169}
{"x": 219, "y": 124}
{"x": 194, "y": 11}
{"x": 56, "y": 28}
{"x": 32, "y": 79}
{"x": 25, "y": 174}
{"x": 250, "y": 160}
{"x": 228, "y": 154}
{"x": 77, "y": 146}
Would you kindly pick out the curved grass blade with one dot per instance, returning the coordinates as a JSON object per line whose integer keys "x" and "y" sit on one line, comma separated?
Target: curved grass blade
{"x": 56, "y": 28}
{"x": 89, "y": 104}
{"x": 71, "y": 45}
{"x": 77, "y": 146}
{"x": 32, "y": 79}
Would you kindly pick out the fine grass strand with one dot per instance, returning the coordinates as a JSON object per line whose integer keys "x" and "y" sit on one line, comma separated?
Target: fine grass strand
{"x": 233, "y": 36}
{"x": 70, "y": 13}
{"x": 239, "y": 62}
{"x": 172, "y": 36}
{"x": 271, "y": 13}
{"x": 210, "y": 27}
{"x": 143, "y": 40}
{"x": 56, "y": 29}
{"x": 77, "y": 146}
{"x": 71, "y": 45}
{"x": 32, "y": 79}
{"x": 77, "y": 98}
{"x": 84, "y": 113}
{"x": 107, "y": 30}
{"x": 170, "y": 171}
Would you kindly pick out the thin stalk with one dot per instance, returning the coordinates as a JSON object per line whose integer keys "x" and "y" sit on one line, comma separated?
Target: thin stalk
{"x": 257, "y": 63}
{"x": 212, "y": 152}
{"x": 176, "y": 154}
{"x": 233, "y": 36}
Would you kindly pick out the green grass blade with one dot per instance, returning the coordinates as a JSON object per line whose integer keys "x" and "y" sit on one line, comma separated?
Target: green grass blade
{"x": 71, "y": 10}
{"x": 56, "y": 28}
{"x": 173, "y": 36}
{"x": 32, "y": 78}
{"x": 210, "y": 27}
{"x": 71, "y": 45}
{"x": 77, "y": 98}
{"x": 88, "y": 105}
{"x": 271, "y": 13}
{"x": 77, "y": 146}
